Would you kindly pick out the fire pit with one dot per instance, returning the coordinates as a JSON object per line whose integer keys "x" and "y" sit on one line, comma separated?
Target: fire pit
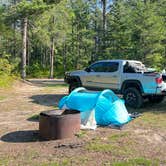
{"x": 59, "y": 124}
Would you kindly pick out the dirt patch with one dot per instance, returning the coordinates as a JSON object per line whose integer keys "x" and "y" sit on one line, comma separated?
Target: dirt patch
{"x": 151, "y": 137}
{"x": 20, "y": 143}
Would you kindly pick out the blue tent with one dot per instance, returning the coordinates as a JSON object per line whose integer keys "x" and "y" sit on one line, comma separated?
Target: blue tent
{"x": 109, "y": 108}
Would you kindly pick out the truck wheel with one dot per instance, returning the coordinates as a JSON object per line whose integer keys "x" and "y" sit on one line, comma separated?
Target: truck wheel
{"x": 73, "y": 86}
{"x": 156, "y": 99}
{"x": 133, "y": 98}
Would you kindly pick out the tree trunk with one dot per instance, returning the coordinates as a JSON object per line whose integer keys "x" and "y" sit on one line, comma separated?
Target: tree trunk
{"x": 52, "y": 49}
{"x": 73, "y": 43}
{"x": 64, "y": 58}
{"x": 52, "y": 58}
{"x": 15, "y": 40}
{"x": 104, "y": 3}
{"x": 24, "y": 48}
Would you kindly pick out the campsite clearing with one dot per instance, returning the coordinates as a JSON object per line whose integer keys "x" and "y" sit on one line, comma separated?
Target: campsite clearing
{"x": 140, "y": 142}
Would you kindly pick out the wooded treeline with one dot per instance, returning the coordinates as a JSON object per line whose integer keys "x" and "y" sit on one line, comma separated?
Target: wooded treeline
{"x": 46, "y": 38}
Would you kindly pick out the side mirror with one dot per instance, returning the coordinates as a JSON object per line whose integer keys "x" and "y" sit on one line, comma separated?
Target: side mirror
{"x": 88, "y": 69}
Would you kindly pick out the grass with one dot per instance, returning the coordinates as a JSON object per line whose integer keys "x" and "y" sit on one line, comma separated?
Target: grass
{"x": 66, "y": 162}
{"x": 152, "y": 120}
{"x": 34, "y": 117}
{"x": 115, "y": 144}
{"x": 6, "y": 81}
{"x": 81, "y": 134}
{"x": 136, "y": 162}
{"x": 48, "y": 164}
{"x": 100, "y": 147}
{"x": 114, "y": 149}
{"x": 117, "y": 137}
{"x": 33, "y": 159}
{"x": 28, "y": 160}
{"x": 4, "y": 161}
{"x": 31, "y": 154}
{"x": 2, "y": 98}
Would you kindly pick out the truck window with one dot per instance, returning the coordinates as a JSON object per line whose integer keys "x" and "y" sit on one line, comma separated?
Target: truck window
{"x": 111, "y": 66}
{"x": 105, "y": 67}
{"x": 97, "y": 67}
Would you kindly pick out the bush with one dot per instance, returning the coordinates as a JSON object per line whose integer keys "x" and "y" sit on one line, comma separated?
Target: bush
{"x": 6, "y": 78}
{"x": 5, "y": 66}
{"x": 6, "y": 81}
{"x": 156, "y": 61}
{"x": 37, "y": 71}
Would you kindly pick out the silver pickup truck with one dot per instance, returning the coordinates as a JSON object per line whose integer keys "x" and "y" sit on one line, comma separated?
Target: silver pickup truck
{"x": 127, "y": 77}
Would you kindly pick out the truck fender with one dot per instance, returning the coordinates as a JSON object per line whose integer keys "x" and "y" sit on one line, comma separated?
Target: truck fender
{"x": 132, "y": 83}
{"x": 74, "y": 79}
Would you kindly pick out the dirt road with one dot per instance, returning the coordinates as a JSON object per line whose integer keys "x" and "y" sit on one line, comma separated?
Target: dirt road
{"x": 141, "y": 141}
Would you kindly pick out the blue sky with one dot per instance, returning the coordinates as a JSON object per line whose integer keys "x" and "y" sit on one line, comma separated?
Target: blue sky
{"x": 109, "y": 2}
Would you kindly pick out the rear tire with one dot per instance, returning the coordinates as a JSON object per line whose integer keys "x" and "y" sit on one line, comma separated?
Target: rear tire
{"x": 133, "y": 98}
{"x": 156, "y": 99}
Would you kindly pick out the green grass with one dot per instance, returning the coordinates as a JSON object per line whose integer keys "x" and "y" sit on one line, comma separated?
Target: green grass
{"x": 32, "y": 157}
{"x": 48, "y": 164}
{"x": 64, "y": 162}
{"x": 100, "y": 147}
{"x": 117, "y": 137}
{"x": 4, "y": 161}
{"x": 58, "y": 162}
{"x": 81, "y": 134}
{"x": 117, "y": 147}
{"x": 81, "y": 160}
{"x": 34, "y": 117}
{"x": 152, "y": 120}
{"x": 136, "y": 162}
{"x": 2, "y": 98}
{"x": 115, "y": 150}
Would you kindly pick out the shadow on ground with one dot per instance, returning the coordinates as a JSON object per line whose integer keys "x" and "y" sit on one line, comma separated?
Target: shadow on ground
{"x": 47, "y": 99}
{"x": 47, "y": 82}
{"x": 53, "y": 100}
{"x": 150, "y": 107}
{"x": 21, "y": 136}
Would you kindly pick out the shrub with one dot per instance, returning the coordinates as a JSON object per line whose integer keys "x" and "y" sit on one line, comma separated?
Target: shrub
{"x": 37, "y": 71}
{"x": 5, "y": 66}
{"x": 6, "y": 79}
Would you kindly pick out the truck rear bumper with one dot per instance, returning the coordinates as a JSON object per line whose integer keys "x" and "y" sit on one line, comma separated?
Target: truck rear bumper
{"x": 159, "y": 92}
{"x": 164, "y": 92}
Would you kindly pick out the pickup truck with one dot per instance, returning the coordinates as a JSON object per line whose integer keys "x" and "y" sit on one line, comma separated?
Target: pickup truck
{"x": 129, "y": 78}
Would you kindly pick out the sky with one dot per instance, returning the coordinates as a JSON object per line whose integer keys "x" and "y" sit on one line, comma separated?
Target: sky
{"x": 109, "y": 2}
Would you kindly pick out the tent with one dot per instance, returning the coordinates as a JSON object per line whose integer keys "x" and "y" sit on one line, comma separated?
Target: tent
{"x": 108, "y": 108}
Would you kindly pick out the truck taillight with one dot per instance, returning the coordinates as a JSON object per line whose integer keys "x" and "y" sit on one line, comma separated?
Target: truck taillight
{"x": 159, "y": 80}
